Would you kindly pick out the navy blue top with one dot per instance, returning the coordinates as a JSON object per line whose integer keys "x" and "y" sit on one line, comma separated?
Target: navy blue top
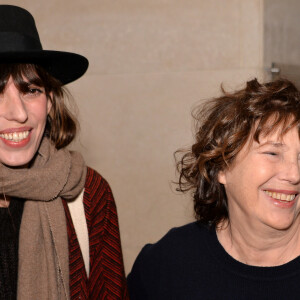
{"x": 190, "y": 263}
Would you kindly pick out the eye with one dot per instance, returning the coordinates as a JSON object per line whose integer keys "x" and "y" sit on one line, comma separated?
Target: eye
{"x": 271, "y": 153}
{"x": 35, "y": 91}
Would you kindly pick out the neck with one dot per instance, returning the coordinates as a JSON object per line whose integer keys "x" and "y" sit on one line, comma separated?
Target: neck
{"x": 257, "y": 247}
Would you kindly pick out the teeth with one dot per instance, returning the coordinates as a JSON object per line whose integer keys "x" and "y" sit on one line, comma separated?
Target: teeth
{"x": 15, "y": 136}
{"x": 281, "y": 196}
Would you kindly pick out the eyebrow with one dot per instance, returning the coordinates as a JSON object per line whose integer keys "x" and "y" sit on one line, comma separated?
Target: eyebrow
{"x": 272, "y": 143}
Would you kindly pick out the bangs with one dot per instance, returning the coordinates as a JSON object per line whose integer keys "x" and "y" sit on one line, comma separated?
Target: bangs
{"x": 23, "y": 76}
{"x": 278, "y": 121}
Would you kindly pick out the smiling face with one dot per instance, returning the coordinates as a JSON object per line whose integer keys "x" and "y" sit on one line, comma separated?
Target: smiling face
{"x": 263, "y": 184}
{"x": 23, "y": 116}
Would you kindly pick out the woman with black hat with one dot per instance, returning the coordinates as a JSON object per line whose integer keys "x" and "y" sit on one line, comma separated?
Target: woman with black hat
{"x": 59, "y": 236}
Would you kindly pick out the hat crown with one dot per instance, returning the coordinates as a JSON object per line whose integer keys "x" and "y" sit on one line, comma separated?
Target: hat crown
{"x": 16, "y": 21}
{"x": 20, "y": 43}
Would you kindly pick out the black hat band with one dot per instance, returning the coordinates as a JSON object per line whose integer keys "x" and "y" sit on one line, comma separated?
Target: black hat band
{"x": 14, "y": 41}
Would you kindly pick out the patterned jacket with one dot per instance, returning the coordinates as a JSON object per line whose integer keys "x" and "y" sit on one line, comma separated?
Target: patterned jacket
{"x": 106, "y": 279}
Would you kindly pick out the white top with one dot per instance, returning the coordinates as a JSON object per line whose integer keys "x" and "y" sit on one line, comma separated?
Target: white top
{"x": 76, "y": 208}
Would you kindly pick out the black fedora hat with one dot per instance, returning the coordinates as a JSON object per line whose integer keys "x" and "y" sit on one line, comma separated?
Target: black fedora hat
{"x": 20, "y": 43}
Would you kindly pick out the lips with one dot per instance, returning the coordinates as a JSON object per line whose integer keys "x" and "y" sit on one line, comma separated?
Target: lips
{"x": 15, "y": 136}
{"x": 287, "y": 196}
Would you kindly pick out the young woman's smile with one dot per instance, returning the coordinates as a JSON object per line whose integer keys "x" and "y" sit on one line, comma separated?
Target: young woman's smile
{"x": 22, "y": 123}
{"x": 16, "y": 137}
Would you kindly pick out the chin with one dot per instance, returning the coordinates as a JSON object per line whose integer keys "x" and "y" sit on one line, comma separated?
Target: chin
{"x": 283, "y": 223}
{"x": 17, "y": 162}
{"x": 16, "y": 165}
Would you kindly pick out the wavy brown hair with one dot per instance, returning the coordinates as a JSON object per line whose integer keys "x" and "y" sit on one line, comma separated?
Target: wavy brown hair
{"x": 223, "y": 126}
{"x": 61, "y": 126}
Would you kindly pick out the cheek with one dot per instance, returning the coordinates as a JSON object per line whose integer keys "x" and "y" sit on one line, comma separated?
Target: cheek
{"x": 263, "y": 171}
{"x": 39, "y": 112}
{"x": 241, "y": 185}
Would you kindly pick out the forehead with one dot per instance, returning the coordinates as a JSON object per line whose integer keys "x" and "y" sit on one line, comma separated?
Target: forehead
{"x": 275, "y": 126}
{"x": 272, "y": 134}
{"x": 279, "y": 137}
{"x": 19, "y": 73}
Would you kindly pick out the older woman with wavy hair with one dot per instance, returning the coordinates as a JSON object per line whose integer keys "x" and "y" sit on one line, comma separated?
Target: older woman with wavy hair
{"x": 59, "y": 228}
{"x": 244, "y": 174}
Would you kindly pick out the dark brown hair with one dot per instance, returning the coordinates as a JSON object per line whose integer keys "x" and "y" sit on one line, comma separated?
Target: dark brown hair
{"x": 223, "y": 126}
{"x": 61, "y": 124}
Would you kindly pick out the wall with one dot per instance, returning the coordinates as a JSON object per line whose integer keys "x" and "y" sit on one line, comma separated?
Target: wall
{"x": 150, "y": 63}
{"x": 281, "y": 38}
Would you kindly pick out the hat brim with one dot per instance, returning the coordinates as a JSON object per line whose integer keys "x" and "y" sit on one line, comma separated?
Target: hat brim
{"x": 64, "y": 66}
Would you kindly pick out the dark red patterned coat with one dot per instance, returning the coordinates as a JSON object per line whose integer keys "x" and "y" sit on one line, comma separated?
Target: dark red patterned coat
{"x": 106, "y": 279}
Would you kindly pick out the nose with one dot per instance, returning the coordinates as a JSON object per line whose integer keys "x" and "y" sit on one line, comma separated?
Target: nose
{"x": 13, "y": 107}
{"x": 291, "y": 172}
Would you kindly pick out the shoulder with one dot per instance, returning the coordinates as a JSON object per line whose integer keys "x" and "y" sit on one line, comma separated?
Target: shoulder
{"x": 159, "y": 265}
{"x": 178, "y": 241}
{"x": 95, "y": 181}
{"x": 98, "y": 198}
{"x": 186, "y": 232}
{"x": 178, "y": 246}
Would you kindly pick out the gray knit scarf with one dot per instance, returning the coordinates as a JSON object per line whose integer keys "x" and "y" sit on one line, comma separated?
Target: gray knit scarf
{"x": 43, "y": 243}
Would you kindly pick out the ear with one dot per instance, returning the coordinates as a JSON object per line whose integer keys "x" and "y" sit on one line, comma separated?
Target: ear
{"x": 222, "y": 177}
{"x": 49, "y": 103}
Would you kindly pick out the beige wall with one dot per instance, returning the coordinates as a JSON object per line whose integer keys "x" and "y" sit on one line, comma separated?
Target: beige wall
{"x": 281, "y": 38}
{"x": 150, "y": 62}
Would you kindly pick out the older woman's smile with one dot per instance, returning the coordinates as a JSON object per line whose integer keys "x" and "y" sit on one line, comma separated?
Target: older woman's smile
{"x": 283, "y": 196}
{"x": 282, "y": 200}
{"x": 250, "y": 182}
